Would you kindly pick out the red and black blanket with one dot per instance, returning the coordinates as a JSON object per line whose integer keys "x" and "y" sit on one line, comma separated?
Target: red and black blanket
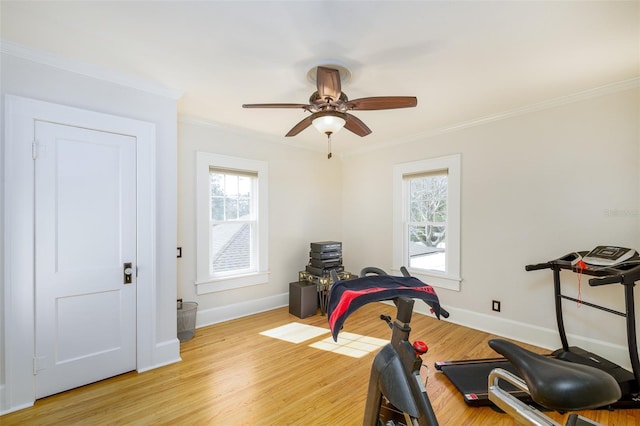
{"x": 347, "y": 296}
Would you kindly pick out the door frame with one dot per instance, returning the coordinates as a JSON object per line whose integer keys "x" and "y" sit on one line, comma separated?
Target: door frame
{"x": 19, "y": 235}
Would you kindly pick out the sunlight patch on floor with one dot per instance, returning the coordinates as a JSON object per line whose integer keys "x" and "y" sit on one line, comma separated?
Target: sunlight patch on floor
{"x": 295, "y": 332}
{"x": 350, "y": 344}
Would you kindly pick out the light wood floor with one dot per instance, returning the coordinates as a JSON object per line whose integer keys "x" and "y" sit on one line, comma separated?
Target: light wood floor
{"x": 232, "y": 375}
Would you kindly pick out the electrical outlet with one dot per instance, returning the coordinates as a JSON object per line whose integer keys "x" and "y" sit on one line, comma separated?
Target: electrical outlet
{"x": 495, "y": 305}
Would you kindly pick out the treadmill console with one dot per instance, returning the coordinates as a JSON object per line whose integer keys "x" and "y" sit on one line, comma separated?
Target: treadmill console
{"x": 608, "y": 255}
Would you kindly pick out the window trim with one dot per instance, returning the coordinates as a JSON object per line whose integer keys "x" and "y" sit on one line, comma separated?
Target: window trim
{"x": 452, "y": 163}
{"x": 205, "y": 282}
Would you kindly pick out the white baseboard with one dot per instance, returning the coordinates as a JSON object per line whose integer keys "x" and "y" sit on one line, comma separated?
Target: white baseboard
{"x": 538, "y": 336}
{"x": 6, "y": 409}
{"x": 165, "y": 353}
{"x": 225, "y": 313}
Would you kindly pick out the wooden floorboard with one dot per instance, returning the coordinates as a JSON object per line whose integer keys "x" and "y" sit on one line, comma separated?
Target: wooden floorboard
{"x": 232, "y": 375}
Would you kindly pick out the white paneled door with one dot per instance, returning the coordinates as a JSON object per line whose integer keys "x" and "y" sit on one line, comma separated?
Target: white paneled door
{"x": 85, "y": 256}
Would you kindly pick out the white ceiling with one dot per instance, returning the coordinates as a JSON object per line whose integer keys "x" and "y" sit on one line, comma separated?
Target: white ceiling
{"x": 464, "y": 60}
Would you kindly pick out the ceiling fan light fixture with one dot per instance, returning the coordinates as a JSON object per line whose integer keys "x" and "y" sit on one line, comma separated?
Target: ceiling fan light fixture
{"x": 330, "y": 122}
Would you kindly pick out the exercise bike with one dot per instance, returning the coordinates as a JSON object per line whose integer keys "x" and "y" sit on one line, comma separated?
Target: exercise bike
{"x": 396, "y": 393}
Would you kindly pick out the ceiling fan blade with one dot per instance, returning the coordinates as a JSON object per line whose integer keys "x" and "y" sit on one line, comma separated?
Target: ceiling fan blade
{"x": 328, "y": 82}
{"x": 355, "y": 125}
{"x": 300, "y": 126}
{"x": 382, "y": 102}
{"x": 303, "y": 106}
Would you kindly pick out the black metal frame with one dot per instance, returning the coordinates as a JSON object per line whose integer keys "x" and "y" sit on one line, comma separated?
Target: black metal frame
{"x": 395, "y": 375}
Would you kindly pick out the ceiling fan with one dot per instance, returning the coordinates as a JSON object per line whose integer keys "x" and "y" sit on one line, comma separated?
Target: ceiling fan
{"x": 329, "y": 106}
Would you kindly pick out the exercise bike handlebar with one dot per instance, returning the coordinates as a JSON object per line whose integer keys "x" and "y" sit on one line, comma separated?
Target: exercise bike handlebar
{"x": 443, "y": 311}
{"x": 377, "y": 271}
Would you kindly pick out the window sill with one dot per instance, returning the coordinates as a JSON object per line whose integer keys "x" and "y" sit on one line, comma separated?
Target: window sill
{"x": 214, "y": 285}
{"x": 448, "y": 282}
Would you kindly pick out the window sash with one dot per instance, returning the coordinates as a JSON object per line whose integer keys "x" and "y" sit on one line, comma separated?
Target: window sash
{"x": 222, "y": 202}
{"x": 223, "y": 260}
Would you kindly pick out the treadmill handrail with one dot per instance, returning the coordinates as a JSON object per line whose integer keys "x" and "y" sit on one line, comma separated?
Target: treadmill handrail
{"x": 611, "y": 279}
{"x": 538, "y": 266}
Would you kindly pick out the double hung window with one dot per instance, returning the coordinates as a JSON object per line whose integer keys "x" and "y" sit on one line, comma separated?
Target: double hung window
{"x": 426, "y": 227}
{"x": 231, "y": 222}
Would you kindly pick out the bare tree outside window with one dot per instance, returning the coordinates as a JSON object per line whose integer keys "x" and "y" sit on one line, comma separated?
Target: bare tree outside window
{"x": 427, "y": 221}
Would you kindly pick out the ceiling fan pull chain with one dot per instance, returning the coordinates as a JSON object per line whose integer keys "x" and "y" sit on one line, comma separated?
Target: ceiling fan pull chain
{"x": 329, "y": 155}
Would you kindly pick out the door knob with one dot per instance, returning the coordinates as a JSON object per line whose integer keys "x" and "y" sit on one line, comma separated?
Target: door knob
{"x": 128, "y": 272}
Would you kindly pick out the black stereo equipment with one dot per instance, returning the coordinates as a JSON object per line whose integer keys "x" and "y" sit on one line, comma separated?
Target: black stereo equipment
{"x": 325, "y": 246}
{"x": 324, "y": 257}
{"x": 325, "y": 264}
{"x": 325, "y": 254}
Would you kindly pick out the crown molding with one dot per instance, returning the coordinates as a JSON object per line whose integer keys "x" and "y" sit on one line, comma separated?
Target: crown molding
{"x": 245, "y": 132}
{"x": 86, "y": 69}
{"x": 548, "y": 104}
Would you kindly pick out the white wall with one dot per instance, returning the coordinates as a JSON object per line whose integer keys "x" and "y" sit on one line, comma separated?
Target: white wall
{"x": 26, "y": 78}
{"x": 535, "y": 186}
{"x": 304, "y": 206}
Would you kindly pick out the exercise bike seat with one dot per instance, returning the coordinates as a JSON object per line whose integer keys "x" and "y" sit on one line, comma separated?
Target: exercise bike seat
{"x": 560, "y": 385}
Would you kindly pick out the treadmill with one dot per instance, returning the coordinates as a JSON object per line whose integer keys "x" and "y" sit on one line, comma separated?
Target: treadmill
{"x": 470, "y": 377}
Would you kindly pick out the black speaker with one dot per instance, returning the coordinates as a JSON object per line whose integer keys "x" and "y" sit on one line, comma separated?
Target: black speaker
{"x": 303, "y": 299}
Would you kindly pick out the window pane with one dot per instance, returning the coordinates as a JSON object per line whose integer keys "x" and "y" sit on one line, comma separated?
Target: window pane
{"x": 244, "y": 186}
{"x": 217, "y": 180}
{"x": 244, "y": 208}
{"x": 428, "y": 199}
{"x": 217, "y": 208}
{"x": 426, "y": 236}
{"x": 427, "y": 247}
{"x": 231, "y": 208}
{"x": 231, "y": 185}
{"x": 230, "y": 247}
